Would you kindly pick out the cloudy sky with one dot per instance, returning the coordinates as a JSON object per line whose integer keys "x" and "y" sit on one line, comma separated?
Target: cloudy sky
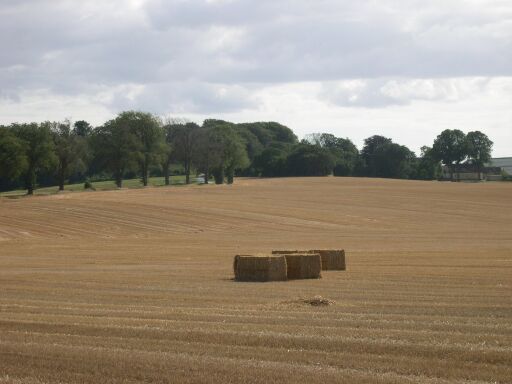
{"x": 406, "y": 69}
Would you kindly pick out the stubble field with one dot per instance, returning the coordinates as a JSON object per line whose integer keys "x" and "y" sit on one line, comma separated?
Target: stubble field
{"x": 135, "y": 285}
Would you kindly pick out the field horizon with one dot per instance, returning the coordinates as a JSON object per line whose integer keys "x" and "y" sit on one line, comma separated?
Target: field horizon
{"x": 135, "y": 285}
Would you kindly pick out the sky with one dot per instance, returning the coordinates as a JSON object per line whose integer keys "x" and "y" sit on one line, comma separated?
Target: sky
{"x": 405, "y": 69}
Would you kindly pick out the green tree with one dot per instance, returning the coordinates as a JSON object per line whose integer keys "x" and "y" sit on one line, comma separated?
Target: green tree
{"x": 69, "y": 149}
{"x": 450, "y": 147}
{"x": 428, "y": 167}
{"x": 372, "y": 153}
{"x": 309, "y": 160}
{"x": 184, "y": 139}
{"x": 167, "y": 152}
{"x": 383, "y": 158}
{"x": 82, "y": 128}
{"x": 149, "y": 135}
{"x": 205, "y": 152}
{"x": 13, "y": 156}
{"x": 271, "y": 162}
{"x": 114, "y": 146}
{"x": 479, "y": 148}
{"x": 345, "y": 153}
{"x": 227, "y": 152}
{"x": 39, "y": 150}
{"x": 396, "y": 161}
{"x": 252, "y": 145}
{"x": 269, "y": 133}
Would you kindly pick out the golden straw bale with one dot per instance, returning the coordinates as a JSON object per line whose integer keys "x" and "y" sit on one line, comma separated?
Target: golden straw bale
{"x": 259, "y": 268}
{"x": 332, "y": 259}
{"x": 303, "y": 265}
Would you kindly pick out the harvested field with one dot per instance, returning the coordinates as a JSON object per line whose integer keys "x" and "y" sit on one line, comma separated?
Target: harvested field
{"x": 136, "y": 285}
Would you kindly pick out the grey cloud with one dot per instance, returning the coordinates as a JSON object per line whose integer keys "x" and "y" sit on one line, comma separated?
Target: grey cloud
{"x": 71, "y": 47}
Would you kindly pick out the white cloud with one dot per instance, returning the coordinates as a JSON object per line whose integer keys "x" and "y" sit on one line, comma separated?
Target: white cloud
{"x": 378, "y": 93}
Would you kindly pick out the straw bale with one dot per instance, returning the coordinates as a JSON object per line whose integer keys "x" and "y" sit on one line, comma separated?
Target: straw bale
{"x": 259, "y": 268}
{"x": 303, "y": 265}
{"x": 332, "y": 259}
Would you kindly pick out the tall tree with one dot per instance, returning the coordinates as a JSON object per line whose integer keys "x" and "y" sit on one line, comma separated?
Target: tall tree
{"x": 13, "y": 156}
{"x": 370, "y": 153}
{"x": 39, "y": 150}
{"x": 345, "y": 153}
{"x": 227, "y": 151}
{"x": 427, "y": 167}
{"x": 69, "y": 149}
{"x": 114, "y": 146}
{"x": 82, "y": 128}
{"x": 205, "y": 150}
{"x": 184, "y": 137}
{"x": 479, "y": 148}
{"x": 150, "y": 139}
{"x": 167, "y": 153}
{"x": 309, "y": 160}
{"x": 383, "y": 158}
{"x": 450, "y": 147}
{"x": 395, "y": 161}
{"x": 271, "y": 162}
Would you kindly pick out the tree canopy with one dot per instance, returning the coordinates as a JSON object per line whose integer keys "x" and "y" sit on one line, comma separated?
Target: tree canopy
{"x": 13, "y": 155}
{"x": 136, "y": 143}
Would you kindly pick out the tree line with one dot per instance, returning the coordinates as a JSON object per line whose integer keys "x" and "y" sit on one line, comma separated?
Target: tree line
{"x": 140, "y": 144}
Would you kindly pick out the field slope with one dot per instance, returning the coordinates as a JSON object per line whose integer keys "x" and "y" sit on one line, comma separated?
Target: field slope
{"x": 135, "y": 285}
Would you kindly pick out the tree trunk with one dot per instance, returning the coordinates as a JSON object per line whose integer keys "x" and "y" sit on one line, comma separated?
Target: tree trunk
{"x": 145, "y": 170}
{"x": 31, "y": 181}
{"x": 230, "y": 176}
{"x": 119, "y": 179}
{"x": 61, "y": 178}
{"x": 218, "y": 175}
{"x": 165, "y": 169}
{"x": 63, "y": 166}
{"x": 144, "y": 177}
{"x": 207, "y": 169}
{"x": 187, "y": 170}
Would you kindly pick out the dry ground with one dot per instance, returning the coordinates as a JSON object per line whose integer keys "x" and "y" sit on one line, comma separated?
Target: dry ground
{"x": 135, "y": 285}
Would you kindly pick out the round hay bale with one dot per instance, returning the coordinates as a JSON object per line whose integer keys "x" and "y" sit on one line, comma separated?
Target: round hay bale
{"x": 259, "y": 268}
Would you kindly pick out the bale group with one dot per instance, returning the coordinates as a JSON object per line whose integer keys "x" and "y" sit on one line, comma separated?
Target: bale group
{"x": 288, "y": 264}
